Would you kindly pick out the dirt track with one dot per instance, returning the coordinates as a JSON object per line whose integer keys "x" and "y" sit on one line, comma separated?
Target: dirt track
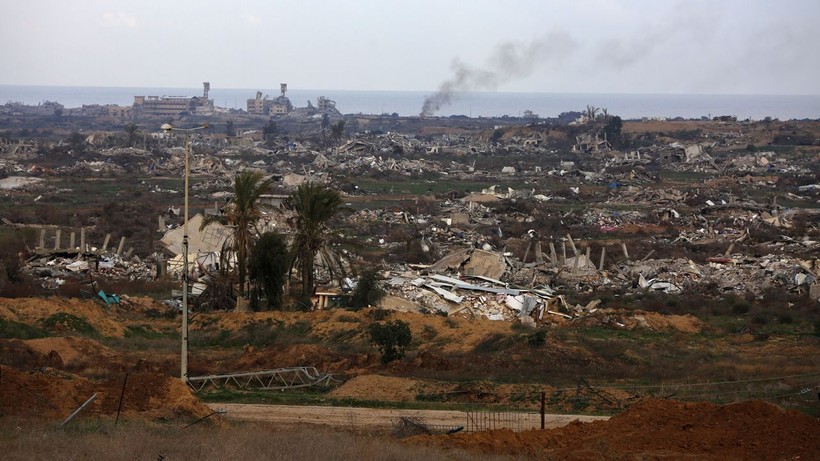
{"x": 370, "y": 418}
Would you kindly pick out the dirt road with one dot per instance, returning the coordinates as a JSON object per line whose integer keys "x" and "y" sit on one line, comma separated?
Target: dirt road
{"x": 374, "y": 419}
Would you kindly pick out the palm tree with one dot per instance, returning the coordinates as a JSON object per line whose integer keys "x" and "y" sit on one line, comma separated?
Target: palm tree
{"x": 242, "y": 215}
{"x": 315, "y": 205}
{"x": 591, "y": 113}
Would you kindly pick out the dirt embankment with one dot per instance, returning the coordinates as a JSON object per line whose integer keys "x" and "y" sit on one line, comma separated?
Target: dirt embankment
{"x": 52, "y": 394}
{"x": 660, "y": 429}
{"x": 35, "y": 310}
{"x": 378, "y": 387}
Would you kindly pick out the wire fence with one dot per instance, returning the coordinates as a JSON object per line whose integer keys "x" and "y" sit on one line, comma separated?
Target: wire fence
{"x": 492, "y": 420}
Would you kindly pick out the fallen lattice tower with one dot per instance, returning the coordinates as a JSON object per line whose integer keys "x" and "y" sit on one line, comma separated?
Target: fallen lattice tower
{"x": 279, "y": 378}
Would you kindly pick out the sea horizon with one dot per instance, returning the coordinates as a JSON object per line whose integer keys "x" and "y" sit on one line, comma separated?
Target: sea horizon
{"x": 471, "y": 104}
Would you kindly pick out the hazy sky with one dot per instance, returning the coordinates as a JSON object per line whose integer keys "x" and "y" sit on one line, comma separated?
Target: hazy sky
{"x": 579, "y": 46}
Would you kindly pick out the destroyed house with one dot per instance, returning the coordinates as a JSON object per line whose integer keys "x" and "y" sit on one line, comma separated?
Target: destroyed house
{"x": 590, "y": 142}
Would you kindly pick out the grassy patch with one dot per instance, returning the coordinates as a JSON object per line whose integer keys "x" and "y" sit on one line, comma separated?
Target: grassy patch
{"x": 10, "y": 329}
{"x": 319, "y": 396}
{"x": 145, "y": 331}
{"x": 259, "y": 334}
{"x": 65, "y": 322}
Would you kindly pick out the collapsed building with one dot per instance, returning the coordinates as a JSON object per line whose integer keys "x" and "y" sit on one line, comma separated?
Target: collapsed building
{"x": 740, "y": 208}
{"x": 280, "y": 105}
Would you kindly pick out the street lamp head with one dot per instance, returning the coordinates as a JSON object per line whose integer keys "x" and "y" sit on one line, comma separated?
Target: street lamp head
{"x": 166, "y": 127}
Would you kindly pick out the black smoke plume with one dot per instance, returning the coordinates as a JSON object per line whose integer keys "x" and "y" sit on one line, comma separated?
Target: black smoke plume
{"x": 509, "y": 61}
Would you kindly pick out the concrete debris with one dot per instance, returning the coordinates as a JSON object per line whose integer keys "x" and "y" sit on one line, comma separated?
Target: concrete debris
{"x": 19, "y": 182}
{"x": 494, "y": 295}
{"x": 477, "y": 217}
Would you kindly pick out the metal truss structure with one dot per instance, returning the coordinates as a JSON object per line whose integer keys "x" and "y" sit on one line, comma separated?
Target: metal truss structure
{"x": 280, "y": 378}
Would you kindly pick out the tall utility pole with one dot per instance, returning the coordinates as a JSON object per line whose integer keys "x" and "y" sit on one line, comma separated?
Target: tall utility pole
{"x": 185, "y": 271}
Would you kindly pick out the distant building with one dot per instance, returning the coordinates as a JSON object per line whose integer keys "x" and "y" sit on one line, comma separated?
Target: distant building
{"x": 173, "y": 105}
{"x": 257, "y": 105}
{"x": 119, "y": 112}
{"x": 280, "y": 105}
{"x": 325, "y": 104}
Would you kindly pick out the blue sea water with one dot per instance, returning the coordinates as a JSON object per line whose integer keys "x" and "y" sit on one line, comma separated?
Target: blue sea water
{"x": 473, "y": 104}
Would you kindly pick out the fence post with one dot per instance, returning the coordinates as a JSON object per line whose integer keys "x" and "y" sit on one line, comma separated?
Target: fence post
{"x": 543, "y": 408}
{"x": 122, "y": 396}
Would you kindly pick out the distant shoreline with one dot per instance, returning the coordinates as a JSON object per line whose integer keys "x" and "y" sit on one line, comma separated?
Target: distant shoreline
{"x": 472, "y": 104}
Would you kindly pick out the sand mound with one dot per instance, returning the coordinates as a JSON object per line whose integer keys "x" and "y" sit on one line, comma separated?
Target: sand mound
{"x": 54, "y": 395}
{"x": 661, "y": 429}
{"x": 75, "y": 354}
{"x": 74, "y": 351}
{"x": 150, "y": 394}
{"x": 49, "y": 395}
{"x": 377, "y": 387}
{"x": 35, "y": 310}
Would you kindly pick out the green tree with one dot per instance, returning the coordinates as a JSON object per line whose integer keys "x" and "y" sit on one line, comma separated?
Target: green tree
{"x": 76, "y": 142}
{"x": 268, "y": 266}
{"x": 270, "y": 129}
{"x": 612, "y": 130}
{"x": 230, "y": 129}
{"x": 315, "y": 205}
{"x": 132, "y": 130}
{"x": 241, "y": 216}
{"x": 367, "y": 292}
{"x": 337, "y": 130}
{"x": 390, "y": 338}
{"x": 498, "y": 133}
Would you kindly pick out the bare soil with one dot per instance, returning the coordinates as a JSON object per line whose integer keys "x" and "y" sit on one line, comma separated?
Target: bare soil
{"x": 52, "y": 394}
{"x": 659, "y": 429}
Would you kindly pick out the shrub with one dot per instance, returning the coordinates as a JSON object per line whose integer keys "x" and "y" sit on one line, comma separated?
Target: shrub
{"x": 379, "y": 314}
{"x": 760, "y": 319}
{"x": 537, "y": 339}
{"x": 391, "y": 339}
{"x": 429, "y": 332}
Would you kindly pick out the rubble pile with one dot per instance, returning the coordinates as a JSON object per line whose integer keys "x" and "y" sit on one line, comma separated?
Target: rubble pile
{"x": 719, "y": 203}
{"x": 496, "y": 286}
{"x": 54, "y": 269}
{"x": 92, "y": 168}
